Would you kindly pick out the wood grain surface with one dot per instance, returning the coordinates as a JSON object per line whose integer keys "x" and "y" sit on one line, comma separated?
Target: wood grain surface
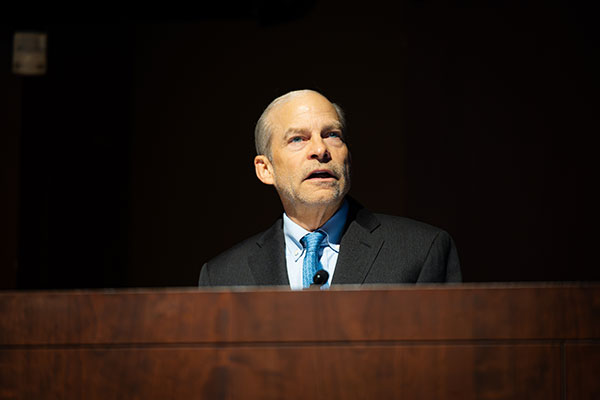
{"x": 193, "y": 316}
{"x": 273, "y": 372}
{"x": 434, "y": 342}
{"x": 583, "y": 371}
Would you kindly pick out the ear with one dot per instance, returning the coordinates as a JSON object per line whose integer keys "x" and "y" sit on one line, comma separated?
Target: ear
{"x": 264, "y": 169}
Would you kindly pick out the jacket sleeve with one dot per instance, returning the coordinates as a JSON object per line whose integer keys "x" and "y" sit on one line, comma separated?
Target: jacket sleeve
{"x": 204, "y": 278}
{"x": 441, "y": 263}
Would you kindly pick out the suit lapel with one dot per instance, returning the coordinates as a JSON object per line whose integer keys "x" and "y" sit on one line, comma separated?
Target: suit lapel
{"x": 359, "y": 247}
{"x": 267, "y": 261}
{"x": 358, "y": 250}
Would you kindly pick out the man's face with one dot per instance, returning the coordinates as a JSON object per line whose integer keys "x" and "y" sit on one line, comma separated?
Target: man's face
{"x": 309, "y": 156}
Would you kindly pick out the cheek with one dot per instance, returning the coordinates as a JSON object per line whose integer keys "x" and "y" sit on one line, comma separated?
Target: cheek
{"x": 342, "y": 151}
{"x": 285, "y": 173}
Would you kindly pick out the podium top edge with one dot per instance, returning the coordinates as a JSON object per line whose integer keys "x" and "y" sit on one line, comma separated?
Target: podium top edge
{"x": 335, "y": 288}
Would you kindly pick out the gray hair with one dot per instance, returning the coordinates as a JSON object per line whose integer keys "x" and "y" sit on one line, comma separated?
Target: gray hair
{"x": 263, "y": 129}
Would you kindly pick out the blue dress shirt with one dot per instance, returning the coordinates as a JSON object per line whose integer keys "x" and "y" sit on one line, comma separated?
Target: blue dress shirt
{"x": 328, "y": 253}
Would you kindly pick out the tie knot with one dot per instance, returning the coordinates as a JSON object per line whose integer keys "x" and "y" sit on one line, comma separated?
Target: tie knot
{"x": 313, "y": 240}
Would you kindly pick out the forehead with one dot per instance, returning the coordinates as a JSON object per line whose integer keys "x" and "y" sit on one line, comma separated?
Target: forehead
{"x": 306, "y": 111}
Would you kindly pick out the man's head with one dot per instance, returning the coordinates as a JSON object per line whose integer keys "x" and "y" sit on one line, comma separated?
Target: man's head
{"x": 302, "y": 150}
{"x": 263, "y": 129}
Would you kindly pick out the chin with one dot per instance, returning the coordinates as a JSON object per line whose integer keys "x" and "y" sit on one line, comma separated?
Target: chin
{"x": 322, "y": 199}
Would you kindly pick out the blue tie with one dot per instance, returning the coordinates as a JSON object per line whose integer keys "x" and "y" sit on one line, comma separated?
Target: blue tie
{"x": 312, "y": 243}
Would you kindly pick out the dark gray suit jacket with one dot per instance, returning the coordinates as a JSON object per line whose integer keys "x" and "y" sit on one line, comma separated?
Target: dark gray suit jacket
{"x": 375, "y": 248}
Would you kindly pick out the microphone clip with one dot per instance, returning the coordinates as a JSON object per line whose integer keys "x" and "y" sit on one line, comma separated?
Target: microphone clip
{"x": 319, "y": 279}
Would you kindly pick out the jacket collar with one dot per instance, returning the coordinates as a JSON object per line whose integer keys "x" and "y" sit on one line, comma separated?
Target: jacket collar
{"x": 358, "y": 250}
{"x": 267, "y": 261}
{"x": 359, "y": 246}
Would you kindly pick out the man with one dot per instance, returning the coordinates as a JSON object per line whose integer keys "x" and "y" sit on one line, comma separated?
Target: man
{"x": 302, "y": 151}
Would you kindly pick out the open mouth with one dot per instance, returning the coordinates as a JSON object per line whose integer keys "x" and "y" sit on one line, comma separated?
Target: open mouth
{"x": 321, "y": 174}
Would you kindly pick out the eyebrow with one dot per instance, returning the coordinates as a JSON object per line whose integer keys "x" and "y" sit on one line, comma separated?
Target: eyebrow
{"x": 294, "y": 131}
{"x": 330, "y": 127}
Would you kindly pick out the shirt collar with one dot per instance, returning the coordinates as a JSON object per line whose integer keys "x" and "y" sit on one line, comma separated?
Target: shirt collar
{"x": 333, "y": 229}
{"x": 335, "y": 225}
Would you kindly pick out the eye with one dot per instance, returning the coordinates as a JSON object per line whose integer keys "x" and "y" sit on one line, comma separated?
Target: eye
{"x": 333, "y": 134}
{"x": 296, "y": 139}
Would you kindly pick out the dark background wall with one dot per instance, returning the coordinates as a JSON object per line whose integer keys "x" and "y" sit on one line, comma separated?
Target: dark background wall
{"x": 130, "y": 162}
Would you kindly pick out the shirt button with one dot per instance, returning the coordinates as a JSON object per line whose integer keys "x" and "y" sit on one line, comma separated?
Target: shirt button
{"x": 296, "y": 253}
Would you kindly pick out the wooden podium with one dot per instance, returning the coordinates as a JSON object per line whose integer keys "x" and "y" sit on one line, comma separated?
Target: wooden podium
{"x": 386, "y": 342}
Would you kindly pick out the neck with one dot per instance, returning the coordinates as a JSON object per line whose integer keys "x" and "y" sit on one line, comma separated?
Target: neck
{"x": 311, "y": 217}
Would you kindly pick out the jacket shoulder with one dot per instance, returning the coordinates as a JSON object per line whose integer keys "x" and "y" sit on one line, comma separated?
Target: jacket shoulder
{"x": 430, "y": 251}
{"x": 231, "y": 267}
{"x": 241, "y": 249}
{"x": 224, "y": 268}
{"x": 392, "y": 226}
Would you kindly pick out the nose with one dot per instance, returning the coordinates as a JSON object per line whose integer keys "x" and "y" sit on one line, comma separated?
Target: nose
{"x": 318, "y": 149}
